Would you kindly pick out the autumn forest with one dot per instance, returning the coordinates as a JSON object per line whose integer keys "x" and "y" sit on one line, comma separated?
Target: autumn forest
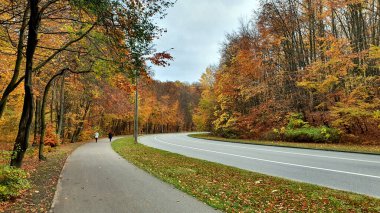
{"x": 297, "y": 70}
{"x": 69, "y": 69}
{"x": 295, "y": 74}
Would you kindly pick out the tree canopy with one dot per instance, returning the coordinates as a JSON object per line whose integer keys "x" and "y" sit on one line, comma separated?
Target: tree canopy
{"x": 67, "y": 59}
{"x": 318, "y": 58}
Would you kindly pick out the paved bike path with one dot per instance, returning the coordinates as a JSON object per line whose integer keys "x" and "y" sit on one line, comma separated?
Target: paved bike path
{"x": 96, "y": 179}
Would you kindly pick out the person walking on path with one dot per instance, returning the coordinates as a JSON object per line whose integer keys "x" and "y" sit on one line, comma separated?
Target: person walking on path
{"x": 96, "y": 136}
{"x": 110, "y": 136}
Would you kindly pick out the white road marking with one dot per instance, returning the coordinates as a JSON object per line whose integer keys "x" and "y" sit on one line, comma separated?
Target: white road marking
{"x": 267, "y": 150}
{"x": 270, "y": 161}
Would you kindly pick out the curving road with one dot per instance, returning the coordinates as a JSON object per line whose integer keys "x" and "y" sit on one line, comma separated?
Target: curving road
{"x": 358, "y": 173}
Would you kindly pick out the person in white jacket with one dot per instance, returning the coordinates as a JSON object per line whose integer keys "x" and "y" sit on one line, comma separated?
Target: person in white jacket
{"x": 96, "y": 136}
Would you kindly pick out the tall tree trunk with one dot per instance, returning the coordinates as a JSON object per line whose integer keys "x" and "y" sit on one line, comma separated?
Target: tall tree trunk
{"x": 321, "y": 29}
{"x": 42, "y": 115}
{"x": 61, "y": 106}
{"x": 63, "y": 132}
{"x": 69, "y": 131}
{"x": 22, "y": 139}
{"x": 311, "y": 11}
{"x": 37, "y": 121}
{"x": 81, "y": 123}
{"x": 333, "y": 24}
{"x": 52, "y": 105}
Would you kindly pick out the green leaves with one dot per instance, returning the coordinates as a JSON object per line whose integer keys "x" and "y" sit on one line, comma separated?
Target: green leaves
{"x": 312, "y": 134}
{"x": 136, "y": 19}
{"x": 95, "y": 7}
{"x": 12, "y": 182}
{"x": 296, "y": 121}
{"x": 297, "y": 130}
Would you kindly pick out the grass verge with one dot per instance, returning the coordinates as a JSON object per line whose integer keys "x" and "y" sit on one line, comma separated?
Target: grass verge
{"x": 43, "y": 178}
{"x": 234, "y": 190}
{"x": 366, "y": 149}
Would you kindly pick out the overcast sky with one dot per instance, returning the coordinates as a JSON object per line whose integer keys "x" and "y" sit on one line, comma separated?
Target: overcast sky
{"x": 196, "y": 28}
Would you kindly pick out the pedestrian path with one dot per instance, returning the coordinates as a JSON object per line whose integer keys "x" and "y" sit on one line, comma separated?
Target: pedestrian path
{"x": 96, "y": 179}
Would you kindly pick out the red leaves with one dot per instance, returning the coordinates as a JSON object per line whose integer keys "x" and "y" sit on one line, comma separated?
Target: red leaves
{"x": 161, "y": 59}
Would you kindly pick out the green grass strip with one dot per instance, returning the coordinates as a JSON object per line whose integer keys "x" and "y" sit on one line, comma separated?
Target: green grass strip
{"x": 364, "y": 149}
{"x": 234, "y": 190}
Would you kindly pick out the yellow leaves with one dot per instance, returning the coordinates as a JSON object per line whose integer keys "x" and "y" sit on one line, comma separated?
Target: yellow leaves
{"x": 96, "y": 93}
{"x": 322, "y": 76}
{"x": 307, "y": 84}
{"x": 5, "y": 45}
{"x": 121, "y": 82}
{"x": 328, "y": 83}
{"x": 337, "y": 47}
{"x": 322, "y": 87}
{"x": 374, "y": 54}
{"x": 359, "y": 93}
{"x": 7, "y": 59}
{"x": 208, "y": 79}
{"x": 376, "y": 114}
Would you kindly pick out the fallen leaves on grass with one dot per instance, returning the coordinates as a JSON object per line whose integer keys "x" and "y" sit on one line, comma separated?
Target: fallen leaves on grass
{"x": 235, "y": 190}
{"x": 43, "y": 177}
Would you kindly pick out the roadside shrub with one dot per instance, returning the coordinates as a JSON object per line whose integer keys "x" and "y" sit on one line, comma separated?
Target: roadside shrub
{"x": 12, "y": 182}
{"x": 297, "y": 130}
{"x": 312, "y": 134}
{"x": 226, "y": 133}
{"x": 296, "y": 120}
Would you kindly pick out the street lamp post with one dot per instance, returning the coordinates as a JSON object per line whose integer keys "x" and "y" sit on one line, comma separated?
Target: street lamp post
{"x": 136, "y": 120}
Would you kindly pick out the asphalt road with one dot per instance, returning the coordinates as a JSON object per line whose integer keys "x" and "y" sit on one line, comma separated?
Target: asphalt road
{"x": 96, "y": 179}
{"x": 358, "y": 173}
